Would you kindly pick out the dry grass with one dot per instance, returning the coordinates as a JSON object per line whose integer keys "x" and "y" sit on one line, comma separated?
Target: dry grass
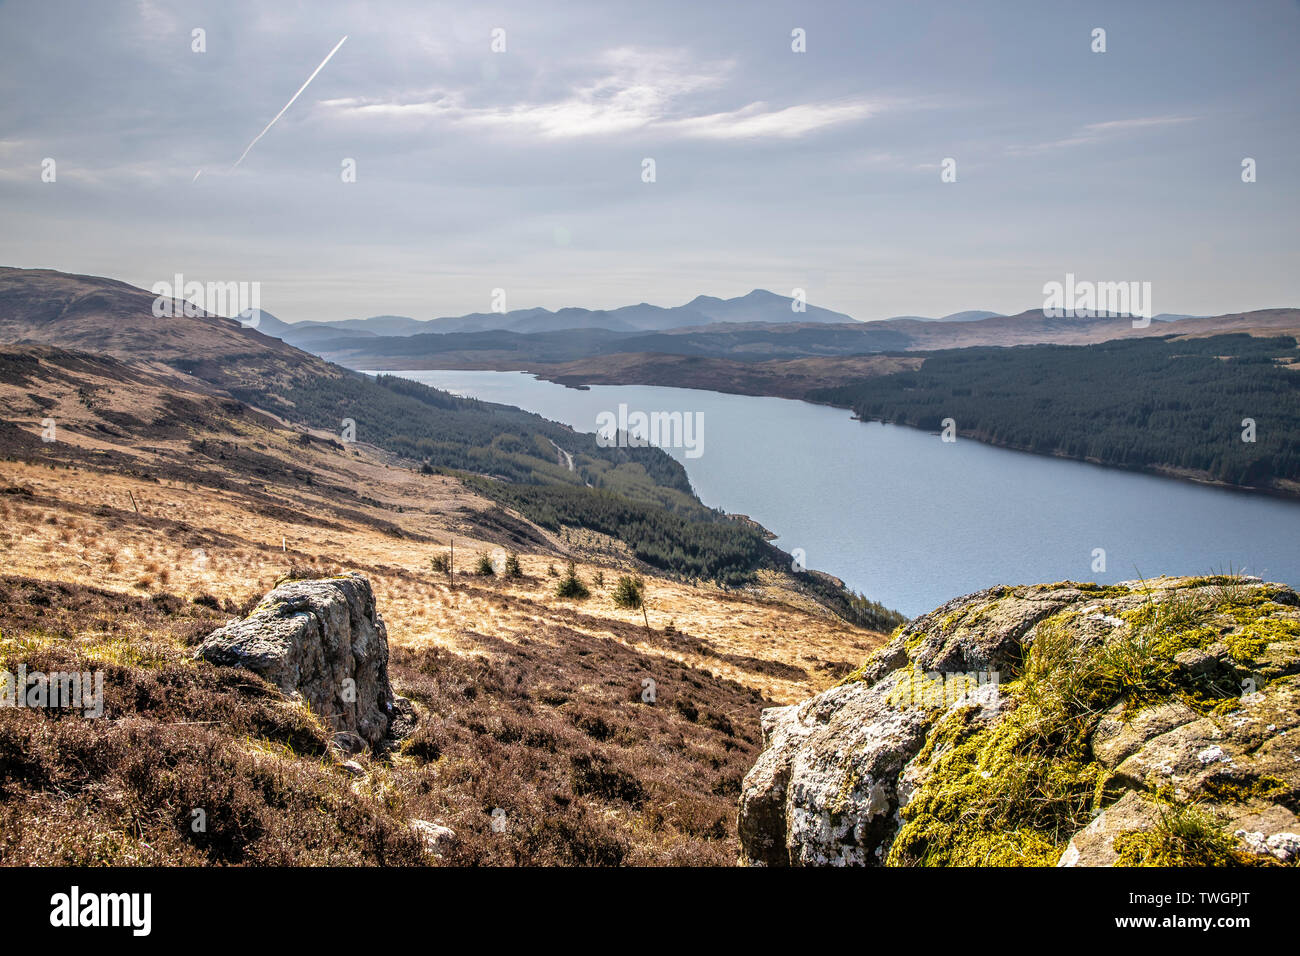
{"x": 528, "y": 704}
{"x": 175, "y": 737}
{"x": 194, "y": 540}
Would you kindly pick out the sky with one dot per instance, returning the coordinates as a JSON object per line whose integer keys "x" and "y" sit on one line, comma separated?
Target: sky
{"x": 523, "y": 169}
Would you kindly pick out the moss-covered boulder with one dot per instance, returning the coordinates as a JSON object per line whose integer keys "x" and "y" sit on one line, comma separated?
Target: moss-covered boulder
{"x": 1150, "y": 722}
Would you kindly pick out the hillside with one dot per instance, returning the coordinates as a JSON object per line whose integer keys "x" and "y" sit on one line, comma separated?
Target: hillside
{"x": 422, "y": 426}
{"x": 162, "y": 510}
{"x": 107, "y": 317}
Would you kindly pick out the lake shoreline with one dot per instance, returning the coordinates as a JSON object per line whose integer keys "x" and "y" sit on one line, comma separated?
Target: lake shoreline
{"x": 911, "y": 521}
{"x": 565, "y": 376}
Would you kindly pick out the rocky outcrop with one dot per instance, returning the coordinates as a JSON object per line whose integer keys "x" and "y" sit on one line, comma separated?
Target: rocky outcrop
{"x": 324, "y": 641}
{"x": 823, "y": 789}
{"x": 1147, "y": 722}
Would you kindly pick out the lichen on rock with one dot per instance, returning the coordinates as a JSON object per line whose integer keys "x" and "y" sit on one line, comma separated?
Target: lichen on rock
{"x": 323, "y": 640}
{"x": 1147, "y": 722}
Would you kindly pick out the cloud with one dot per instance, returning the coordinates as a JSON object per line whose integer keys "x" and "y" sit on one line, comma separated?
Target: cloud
{"x": 1145, "y": 123}
{"x": 1096, "y": 132}
{"x": 637, "y": 90}
{"x": 155, "y": 22}
{"x": 757, "y": 120}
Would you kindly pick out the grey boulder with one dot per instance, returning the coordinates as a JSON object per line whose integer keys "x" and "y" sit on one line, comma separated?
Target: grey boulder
{"x": 323, "y": 640}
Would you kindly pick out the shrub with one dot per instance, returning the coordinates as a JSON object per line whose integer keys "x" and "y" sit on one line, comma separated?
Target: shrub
{"x": 629, "y": 593}
{"x": 594, "y": 775}
{"x": 484, "y": 566}
{"x": 687, "y": 709}
{"x": 207, "y": 600}
{"x": 512, "y": 566}
{"x": 299, "y": 572}
{"x": 571, "y": 586}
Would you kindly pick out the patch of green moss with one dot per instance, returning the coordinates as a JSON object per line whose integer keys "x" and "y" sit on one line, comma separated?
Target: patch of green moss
{"x": 915, "y": 689}
{"x": 1230, "y": 789}
{"x": 855, "y": 676}
{"x": 950, "y": 621}
{"x": 967, "y": 615}
{"x": 1014, "y": 791}
{"x": 985, "y": 610}
{"x": 913, "y": 643}
{"x": 1247, "y": 642}
{"x": 1004, "y": 794}
{"x": 946, "y": 733}
{"x": 1219, "y": 580}
{"x": 1246, "y": 623}
{"x": 1184, "y": 835}
{"x": 1088, "y": 587}
{"x": 849, "y": 783}
{"x": 1018, "y": 789}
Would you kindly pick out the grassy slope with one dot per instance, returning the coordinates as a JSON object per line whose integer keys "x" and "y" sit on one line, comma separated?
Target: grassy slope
{"x": 155, "y": 496}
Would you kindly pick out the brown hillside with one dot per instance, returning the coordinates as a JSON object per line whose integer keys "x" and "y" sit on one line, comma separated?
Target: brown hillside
{"x": 161, "y": 509}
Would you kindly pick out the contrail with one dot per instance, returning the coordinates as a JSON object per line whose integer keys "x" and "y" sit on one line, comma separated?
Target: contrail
{"x": 290, "y": 103}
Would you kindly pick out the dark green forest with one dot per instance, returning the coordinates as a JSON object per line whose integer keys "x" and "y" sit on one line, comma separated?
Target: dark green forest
{"x": 447, "y": 432}
{"x": 694, "y": 542}
{"x": 1151, "y": 403}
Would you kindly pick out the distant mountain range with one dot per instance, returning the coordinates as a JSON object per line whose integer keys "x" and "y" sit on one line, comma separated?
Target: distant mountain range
{"x": 972, "y": 315}
{"x": 759, "y": 307}
{"x": 976, "y": 315}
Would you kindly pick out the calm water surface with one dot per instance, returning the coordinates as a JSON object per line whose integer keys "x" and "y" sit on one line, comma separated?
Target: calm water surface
{"x": 911, "y": 521}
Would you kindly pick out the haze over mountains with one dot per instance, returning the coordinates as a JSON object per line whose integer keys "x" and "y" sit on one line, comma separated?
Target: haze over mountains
{"x": 747, "y": 342}
{"x": 759, "y": 307}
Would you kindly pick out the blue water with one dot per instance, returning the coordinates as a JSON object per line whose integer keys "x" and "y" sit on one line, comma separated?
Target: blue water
{"x": 912, "y": 521}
